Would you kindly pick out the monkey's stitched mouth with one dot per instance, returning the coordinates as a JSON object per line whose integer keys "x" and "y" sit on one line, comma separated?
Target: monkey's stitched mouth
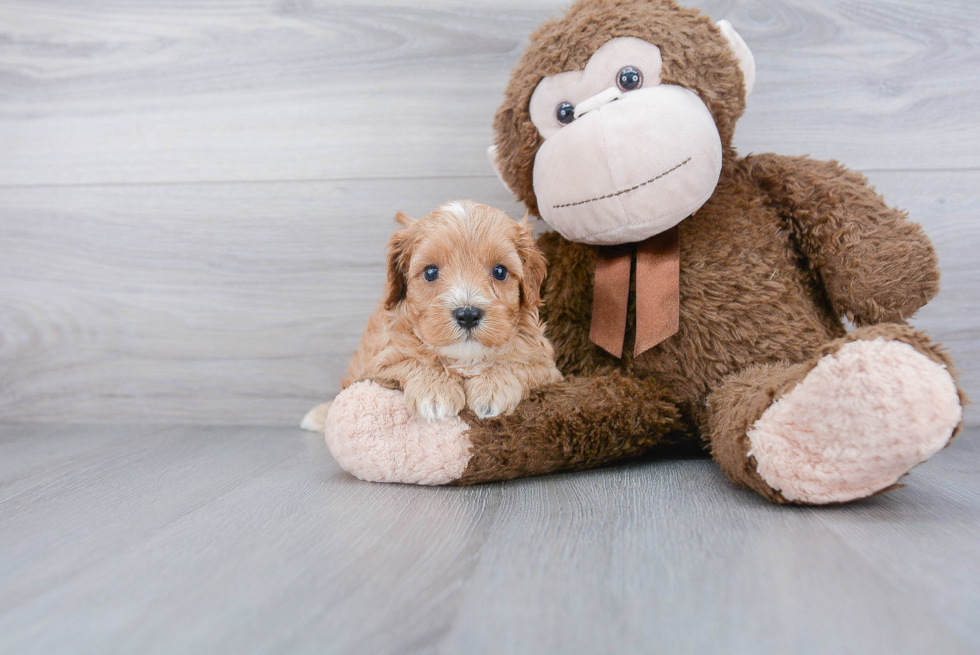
{"x": 619, "y": 193}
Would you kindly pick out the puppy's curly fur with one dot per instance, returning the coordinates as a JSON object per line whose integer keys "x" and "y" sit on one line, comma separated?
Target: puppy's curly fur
{"x": 415, "y": 338}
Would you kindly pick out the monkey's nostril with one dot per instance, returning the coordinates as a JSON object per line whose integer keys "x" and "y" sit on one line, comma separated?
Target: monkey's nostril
{"x": 468, "y": 317}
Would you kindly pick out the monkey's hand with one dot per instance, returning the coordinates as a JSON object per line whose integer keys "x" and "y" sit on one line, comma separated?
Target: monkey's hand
{"x": 875, "y": 264}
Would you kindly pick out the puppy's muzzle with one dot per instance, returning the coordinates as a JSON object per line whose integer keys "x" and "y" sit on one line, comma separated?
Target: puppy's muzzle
{"x": 468, "y": 317}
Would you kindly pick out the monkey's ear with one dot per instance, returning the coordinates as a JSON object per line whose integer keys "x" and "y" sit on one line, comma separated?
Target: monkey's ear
{"x": 492, "y": 156}
{"x": 746, "y": 62}
{"x": 532, "y": 261}
{"x": 405, "y": 220}
{"x": 399, "y": 255}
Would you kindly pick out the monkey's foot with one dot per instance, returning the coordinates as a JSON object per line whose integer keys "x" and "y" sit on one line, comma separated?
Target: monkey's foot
{"x": 374, "y": 437}
{"x": 856, "y": 423}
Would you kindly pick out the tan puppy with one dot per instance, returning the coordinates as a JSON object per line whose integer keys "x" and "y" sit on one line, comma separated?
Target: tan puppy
{"x": 458, "y": 326}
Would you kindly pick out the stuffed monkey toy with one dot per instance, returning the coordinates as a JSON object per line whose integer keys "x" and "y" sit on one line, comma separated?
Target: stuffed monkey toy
{"x": 695, "y": 299}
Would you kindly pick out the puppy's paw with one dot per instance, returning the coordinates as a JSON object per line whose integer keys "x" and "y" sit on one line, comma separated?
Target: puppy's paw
{"x": 495, "y": 392}
{"x": 435, "y": 397}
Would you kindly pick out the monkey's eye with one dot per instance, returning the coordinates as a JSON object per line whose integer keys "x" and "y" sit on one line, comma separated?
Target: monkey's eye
{"x": 565, "y": 113}
{"x": 499, "y": 273}
{"x": 431, "y": 273}
{"x": 629, "y": 79}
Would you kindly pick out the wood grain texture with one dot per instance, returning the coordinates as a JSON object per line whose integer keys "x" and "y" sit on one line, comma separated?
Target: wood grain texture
{"x": 251, "y": 540}
{"x": 194, "y": 196}
{"x": 241, "y": 304}
{"x": 249, "y": 90}
{"x": 81, "y": 508}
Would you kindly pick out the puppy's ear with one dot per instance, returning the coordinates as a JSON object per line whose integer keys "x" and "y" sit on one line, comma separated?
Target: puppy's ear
{"x": 399, "y": 255}
{"x": 532, "y": 261}
{"x": 405, "y": 220}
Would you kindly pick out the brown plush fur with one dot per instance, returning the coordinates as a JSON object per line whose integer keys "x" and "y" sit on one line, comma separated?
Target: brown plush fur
{"x": 781, "y": 253}
{"x": 413, "y": 338}
{"x": 581, "y": 423}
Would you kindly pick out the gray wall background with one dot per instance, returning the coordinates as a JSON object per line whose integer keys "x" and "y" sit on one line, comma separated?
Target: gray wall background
{"x": 195, "y": 195}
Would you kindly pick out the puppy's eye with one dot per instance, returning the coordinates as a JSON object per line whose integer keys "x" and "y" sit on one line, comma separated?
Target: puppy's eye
{"x": 629, "y": 79}
{"x": 431, "y": 273}
{"x": 499, "y": 273}
{"x": 565, "y": 113}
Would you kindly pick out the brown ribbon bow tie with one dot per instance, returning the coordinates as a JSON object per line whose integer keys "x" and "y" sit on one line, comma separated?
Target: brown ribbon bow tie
{"x": 657, "y": 292}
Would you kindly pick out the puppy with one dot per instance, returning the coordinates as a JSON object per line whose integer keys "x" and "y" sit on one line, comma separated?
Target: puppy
{"x": 458, "y": 325}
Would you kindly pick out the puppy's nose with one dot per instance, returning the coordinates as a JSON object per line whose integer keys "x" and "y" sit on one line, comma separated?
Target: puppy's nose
{"x": 467, "y": 317}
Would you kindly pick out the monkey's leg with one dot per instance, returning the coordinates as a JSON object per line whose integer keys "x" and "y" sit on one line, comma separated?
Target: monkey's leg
{"x": 844, "y": 425}
{"x": 579, "y": 423}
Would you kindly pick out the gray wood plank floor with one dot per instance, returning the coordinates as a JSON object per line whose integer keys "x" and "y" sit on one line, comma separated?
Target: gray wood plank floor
{"x": 214, "y": 540}
{"x": 195, "y": 195}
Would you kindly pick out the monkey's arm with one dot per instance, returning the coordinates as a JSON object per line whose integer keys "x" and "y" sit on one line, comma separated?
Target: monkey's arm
{"x": 581, "y": 423}
{"x": 875, "y": 264}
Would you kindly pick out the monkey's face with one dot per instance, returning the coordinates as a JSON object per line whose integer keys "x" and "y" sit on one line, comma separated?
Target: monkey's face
{"x": 624, "y": 157}
{"x": 618, "y": 117}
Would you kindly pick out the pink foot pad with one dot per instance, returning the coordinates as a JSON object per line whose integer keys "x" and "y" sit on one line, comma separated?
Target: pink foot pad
{"x": 374, "y": 437}
{"x": 859, "y": 420}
